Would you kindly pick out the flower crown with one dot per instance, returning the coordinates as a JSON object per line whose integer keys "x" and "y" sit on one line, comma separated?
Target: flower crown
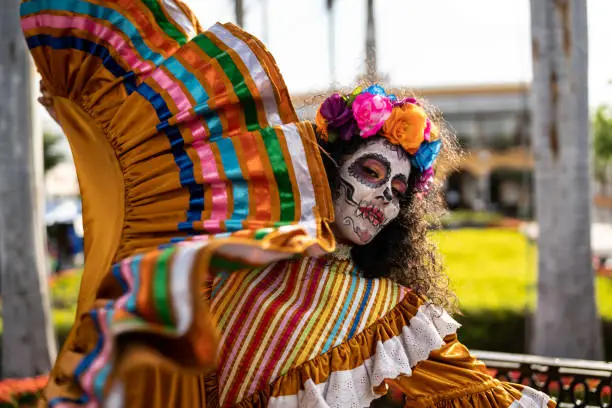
{"x": 372, "y": 112}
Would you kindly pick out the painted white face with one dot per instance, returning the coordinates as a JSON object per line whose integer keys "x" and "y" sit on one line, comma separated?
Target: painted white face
{"x": 372, "y": 180}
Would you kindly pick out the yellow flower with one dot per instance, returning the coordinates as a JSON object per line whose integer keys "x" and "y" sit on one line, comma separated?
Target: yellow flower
{"x": 406, "y": 127}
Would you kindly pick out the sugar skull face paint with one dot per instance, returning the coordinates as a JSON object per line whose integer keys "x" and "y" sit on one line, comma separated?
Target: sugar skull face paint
{"x": 372, "y": 181}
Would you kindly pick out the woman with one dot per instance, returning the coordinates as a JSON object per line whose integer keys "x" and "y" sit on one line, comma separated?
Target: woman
{"x": 212, "y": 275}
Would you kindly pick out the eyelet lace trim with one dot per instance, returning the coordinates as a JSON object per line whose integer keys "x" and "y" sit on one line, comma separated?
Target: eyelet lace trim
{"x": 531, "y": 398}
{"x": 393, "y": 357}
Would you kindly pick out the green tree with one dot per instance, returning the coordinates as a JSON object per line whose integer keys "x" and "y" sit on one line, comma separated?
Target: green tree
{"x": 602, "y": 145}
{"x": 52, "y": 157}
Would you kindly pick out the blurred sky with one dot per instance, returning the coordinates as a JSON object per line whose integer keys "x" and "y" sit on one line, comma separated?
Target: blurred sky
{"x": 419, "y": 42}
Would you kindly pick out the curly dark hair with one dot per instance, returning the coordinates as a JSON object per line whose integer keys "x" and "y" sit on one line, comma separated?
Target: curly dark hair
{"x": 403, "y": 250}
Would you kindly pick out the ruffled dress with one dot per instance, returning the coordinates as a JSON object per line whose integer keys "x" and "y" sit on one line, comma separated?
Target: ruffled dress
{"x": 206, "y": 211}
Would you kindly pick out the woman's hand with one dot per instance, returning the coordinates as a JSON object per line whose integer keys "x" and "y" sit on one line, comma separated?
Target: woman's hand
{"x": 46, "y": 100}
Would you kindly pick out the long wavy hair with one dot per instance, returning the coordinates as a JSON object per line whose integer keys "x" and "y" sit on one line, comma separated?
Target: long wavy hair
{"x": 403, "y": 250}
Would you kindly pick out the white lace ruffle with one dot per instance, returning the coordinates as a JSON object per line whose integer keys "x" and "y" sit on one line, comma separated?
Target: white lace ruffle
{"x": 393, "y": 357}
{"x": 531, "y": 398}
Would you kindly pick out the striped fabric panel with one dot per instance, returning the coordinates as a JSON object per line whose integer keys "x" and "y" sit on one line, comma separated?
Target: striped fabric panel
{"x": 131, "y": 20}
{"x": 162, "y": 296}
{"x": 240, "y": 159}
{"x": 163, "y": 13}
{"x": 180, "y": 18}
{"x": 279, "y": 317}
{"x": 131, "y": 28}
{"x": 248, "y": 180}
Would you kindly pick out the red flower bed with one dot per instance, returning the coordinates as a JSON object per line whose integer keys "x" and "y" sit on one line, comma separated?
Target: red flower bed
{"x": 22, "y": 392}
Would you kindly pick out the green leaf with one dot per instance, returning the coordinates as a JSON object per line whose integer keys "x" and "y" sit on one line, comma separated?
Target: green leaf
{"x": 354, "y": 94}
{"x": 357, "y": 91}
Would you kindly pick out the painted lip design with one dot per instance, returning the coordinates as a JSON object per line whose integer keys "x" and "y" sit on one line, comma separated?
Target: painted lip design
{"x": 371, "y": 213}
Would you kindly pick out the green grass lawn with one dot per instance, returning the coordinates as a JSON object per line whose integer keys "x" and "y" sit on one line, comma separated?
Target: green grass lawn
{"x": 496, "y": 269}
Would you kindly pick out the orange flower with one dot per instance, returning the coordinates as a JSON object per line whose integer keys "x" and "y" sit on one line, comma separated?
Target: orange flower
{"x": 321, "y": 123}
{"x": 406, "y": 127}
{"x": 15, "y": 388}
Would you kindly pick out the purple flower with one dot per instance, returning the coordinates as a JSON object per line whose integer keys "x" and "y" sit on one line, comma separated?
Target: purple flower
{"x": 335, "y": 111}
{"x": 348, "y": 130}
{"x": 339, "y": 116}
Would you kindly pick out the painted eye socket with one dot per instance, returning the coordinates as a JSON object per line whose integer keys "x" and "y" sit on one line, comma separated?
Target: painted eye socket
{"x": 369, "y": 172}
{"x": 373, "y": 170}
{"x": 399, "y": 188}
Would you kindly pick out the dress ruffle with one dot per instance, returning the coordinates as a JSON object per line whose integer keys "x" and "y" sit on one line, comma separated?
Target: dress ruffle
{"x": 489, "y": 394}
{"x": 201, "y": 129}
{"x": 353, "y": 373}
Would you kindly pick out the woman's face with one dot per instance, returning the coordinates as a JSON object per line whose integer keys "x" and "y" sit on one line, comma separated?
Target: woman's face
{"x": 372, "y": 181}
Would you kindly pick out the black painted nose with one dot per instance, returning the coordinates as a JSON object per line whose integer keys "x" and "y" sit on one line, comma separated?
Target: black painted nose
{"x": 387, "y": 195}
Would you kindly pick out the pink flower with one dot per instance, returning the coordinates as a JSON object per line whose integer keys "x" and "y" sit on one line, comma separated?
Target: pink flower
{"x": 370, "y": 112}
{"x": 424, "y": 182}
{"x": 428, "y": 130}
